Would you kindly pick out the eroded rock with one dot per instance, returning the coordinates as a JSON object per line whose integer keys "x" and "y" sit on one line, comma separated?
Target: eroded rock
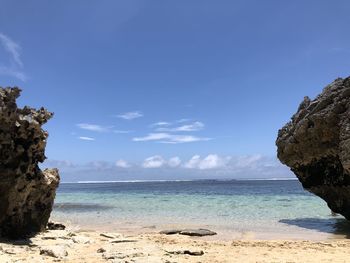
{"x": 315, "y": 144}
{"x": 26, "y": 192}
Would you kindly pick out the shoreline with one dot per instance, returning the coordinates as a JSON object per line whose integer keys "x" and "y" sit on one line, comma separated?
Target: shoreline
{"x": 223, "y": 233}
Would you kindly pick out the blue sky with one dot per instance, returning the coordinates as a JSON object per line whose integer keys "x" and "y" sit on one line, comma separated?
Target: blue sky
{"x": 170, "y": 89}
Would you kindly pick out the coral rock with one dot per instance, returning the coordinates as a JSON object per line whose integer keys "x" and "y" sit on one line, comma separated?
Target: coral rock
{"x": 26, "y": 192}
{"x": 315, "y": 144}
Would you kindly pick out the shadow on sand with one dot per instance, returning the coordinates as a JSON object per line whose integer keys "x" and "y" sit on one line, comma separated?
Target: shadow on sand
{"x": 17, "y": 242}
{"x": 336, "y": 226}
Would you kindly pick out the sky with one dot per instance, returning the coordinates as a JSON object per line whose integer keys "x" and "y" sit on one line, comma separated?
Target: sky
{"x": 159, "y": 90}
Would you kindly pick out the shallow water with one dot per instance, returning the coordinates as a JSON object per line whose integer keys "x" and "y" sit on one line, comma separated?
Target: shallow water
{"x": 236, "y": 209}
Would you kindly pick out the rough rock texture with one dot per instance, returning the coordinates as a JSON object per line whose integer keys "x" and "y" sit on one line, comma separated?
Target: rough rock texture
{"x": 316, "y": 145}
{"x": 26, "y": 192}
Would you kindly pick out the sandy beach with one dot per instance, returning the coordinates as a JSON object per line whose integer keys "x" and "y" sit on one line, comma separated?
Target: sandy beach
{"x": 74, "y": 245}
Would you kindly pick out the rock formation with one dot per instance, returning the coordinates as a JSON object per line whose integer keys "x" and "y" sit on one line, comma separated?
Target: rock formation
{"x": 26, "y": 192}
{"x": 315, "y": 144}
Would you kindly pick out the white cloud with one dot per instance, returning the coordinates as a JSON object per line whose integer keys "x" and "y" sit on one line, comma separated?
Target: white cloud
{"x": 212, "y": 166}
{"x": 130, "y": 115}
{"x": 212, "y": 161}
{"x": 93, "y": 127}
{"x": 16, "y": 64}
{"x": 156, "y": 161}
{"x": 193, "y": 162}
{"x": 122, "y": 164}
{"x": 169, "y": 138}
{"x": 195, "y": 126}
{"x": 84, "y": 138}
{"x": 174, "y": 162}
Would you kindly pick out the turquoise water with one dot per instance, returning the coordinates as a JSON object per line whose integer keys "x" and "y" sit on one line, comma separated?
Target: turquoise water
{"x": 258, "y": 208}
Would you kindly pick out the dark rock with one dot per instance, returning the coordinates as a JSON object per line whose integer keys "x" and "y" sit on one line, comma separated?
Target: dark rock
{"x": 197, "y": 232}
{"x": 26, "y": 192}
{"x": 123, "y": 241}
{"x": 170, "y": 232}
{"x": 186, "y": 252}
{"x": 189, "y": 232}
{"x": 315, "y": 144}
{"x": 55, "y": 226}
{"x": 107, "y": 235}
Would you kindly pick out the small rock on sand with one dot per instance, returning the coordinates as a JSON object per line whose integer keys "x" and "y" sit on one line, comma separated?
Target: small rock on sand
{"x": 170, "y": 231}
{"x": 107, "y": 235}
{"x": 55, "y": 226}
{"x": 197, "y": 232}
{"x": 123, "y": 241}
{"x": 81, "y": 240}
{"x": 54, "y": 251}
{"x": 101, "y": 250}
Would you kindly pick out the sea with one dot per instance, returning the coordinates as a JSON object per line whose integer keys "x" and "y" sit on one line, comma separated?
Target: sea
{"x": 235, "y": 209}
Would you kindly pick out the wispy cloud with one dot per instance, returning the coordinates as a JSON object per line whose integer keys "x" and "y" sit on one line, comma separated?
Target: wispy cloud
{"x": 13, "y": 48}
{"x": 130, "y": 115}
{"x": 94, "y": 127}
{"x": 16, "y": 64}
{"x": 84, "y": 138}
{"x": 170, "y": 138}
{"x": 121, "y": 131}
{"x": 195, "y": 126}
{"x": 160, "y": 123}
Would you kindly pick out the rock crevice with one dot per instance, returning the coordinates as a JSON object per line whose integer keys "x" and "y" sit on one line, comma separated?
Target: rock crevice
{"x": 26, "y": 192}
{"x": 315, "y": 144}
